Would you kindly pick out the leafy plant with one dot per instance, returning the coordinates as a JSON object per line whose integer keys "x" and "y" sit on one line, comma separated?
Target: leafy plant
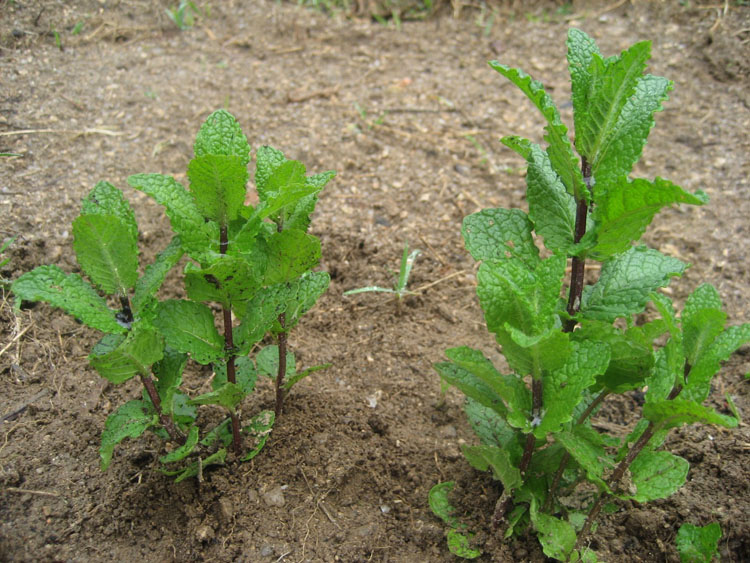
{"x": 570, "y": 344}
{"x": 184, "y": 14}
{"x": 400, "y": 286}
{"x": 254, "y": 264}
{"x": 698, "y": 544}
{"x": 5, "y": 261}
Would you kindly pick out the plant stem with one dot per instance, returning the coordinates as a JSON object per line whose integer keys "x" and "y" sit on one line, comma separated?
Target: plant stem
{"x": 578, "y": 265}
{"x": 229, "y": 348}
{"x": 620, "y": 470}
{"x": 165, "y": 420}
{"x": 282, "y": 367}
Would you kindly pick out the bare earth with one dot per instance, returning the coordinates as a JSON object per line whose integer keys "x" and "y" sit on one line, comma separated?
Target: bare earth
{"x": 410, "y": 118}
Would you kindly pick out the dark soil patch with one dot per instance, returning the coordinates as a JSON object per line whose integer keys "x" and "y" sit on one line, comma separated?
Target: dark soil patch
{"x": 410, "y": 118}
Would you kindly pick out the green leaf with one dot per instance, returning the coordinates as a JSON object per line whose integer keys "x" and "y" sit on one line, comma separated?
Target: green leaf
{"x": 132, "y": 355}
{"x": 535, "y": 355}
{"x": 107, "y": 251}
{"x": 551, "y": 208}
{"x": 288, "y": 176}
{"x": 261, "y": 312}
{"x": 290, "y": 254}
{"x": 657, "y": 475}
{"x": 267, "y": 361}
{"x": 105, "y": 199}
{"x": 625, "y": 210}
{"x": 558, "y": 538}
{"x": 156, "y": 272}
{"x": 298, "y": 215}
{"x": 267, "y": 160}
{"x": 510, "y": 388}
{"x": 471, "y": 386}
{"x": 581, "y": 51}
{"x": 218, "y": 185}
{"x": 222, "y": 431}
{"x": 168, "y": 372}
{"x": 129, "y": 421}
{"x": 184, "y": 450}
{"x": 292, "y": 380}
{"x": 245, "y": 374}
{"x": 670, "y": 414}
{"x": 564, "y": 160}
{"x": 301, "y": 295}
{"x": 612, "y": 83}
{"x": 189, "y": 327}
{"x": 229, "y": 280}
{"x": 221, "y": 134}
{"x": 491, "y": 428}
{"x": 492, "y": 234}
{"x": 699, "y": 381}
{"x": 459, "y": 544}
{"x": 586, "y": 446}
{"x": 626, "y": 282}
{"x": 199, "y": 239}
{"x": 698, "y": 544}
{"x": 503, "y": 468}
{"x": 564, "y": 387}
{"x": 194, "y": 469}
{"x": 509, "y": 292}
{"x": 70, "y": 293}
{"x": 259, "y": 429}
{"x": 228, "y": 396}
{"x": 702, "y": 321}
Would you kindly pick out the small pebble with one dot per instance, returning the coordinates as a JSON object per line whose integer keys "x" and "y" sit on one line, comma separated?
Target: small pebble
{"x": 274, "y": 497}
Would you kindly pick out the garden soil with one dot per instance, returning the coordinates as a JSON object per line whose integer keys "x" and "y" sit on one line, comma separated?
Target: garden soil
{"x": 409, "y": 114}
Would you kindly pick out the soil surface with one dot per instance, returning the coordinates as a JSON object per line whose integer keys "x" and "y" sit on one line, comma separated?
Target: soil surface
{"x": 410, "y": 116}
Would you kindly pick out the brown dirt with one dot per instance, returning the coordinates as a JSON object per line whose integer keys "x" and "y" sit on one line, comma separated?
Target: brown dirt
{"x": 394, "y": 111}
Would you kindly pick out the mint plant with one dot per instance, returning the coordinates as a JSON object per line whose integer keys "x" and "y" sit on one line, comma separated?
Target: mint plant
{"x": 4, "y": 261}
{"x": 253, "y": 264}
{"x": 569, "y": 343}
{"x": 698, "y": 544}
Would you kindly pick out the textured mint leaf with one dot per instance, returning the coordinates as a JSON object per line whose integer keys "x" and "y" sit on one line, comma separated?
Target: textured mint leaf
{"x": 289, "y": 196}
{"x": 551, "y": 208}
{"x": 702, "y": 321}
{"x": 222, "y": 432}
{"x": 290, "y": 254}
{"x": 564, "y": 387}
{"x": 260, "y": 429}
{"x": 298, "y": 215}
{"x": 302, "y": 294}
{"x": 184, "y": 450}
{"x": 245, "y": 374}
{"x": 133, "y": 355}
{"x": 199, "y": 238}
{"x": 156, "y": 272}
{"x": 558, "y": 538}
{"x": 519, "y": 144}
{"x": 670, "y": 414}
{"x": 229, "y": 280}
{"x": 228, "y": 396}
{"x": 612, "y": 83}
{"x": 631, "y": 359}
{"x": 107, "y": 251}
{"x": 509, "y": 292}
{"x": 491, "y": 428}
{"x": 471, "y": 386}
{"x": 441, "y": 506}
{"x": 510, "y": 388}
{"x": 291, "y": 380}
{"x": 168, "y": 372}
{"x": 493, "y": 234}
{"x": 267, "y": 160}
{"x": 668, "y": 369}
{"x": 129, "y": 421}
{"x": 192, "y": 470}
{"x": 188, "y": 327}
{"x": 698, "y": 544}
{"x": 626, "y": 282}
{"x": 623, "y": 146}
{"x": 221, "y": 134}
{"x": 259, "y": 316}
{"x": 534, "y": 355}
{"x": 586, "y": 446}
{"x": 69, "y": 292}
{"x": 581, "y": 51}
{"x": 699, "y": 381}
{"x": 657, "y": 475}
{"x": 564, "y": 160}
{"x": 287, "y": 176}
{"x": 625, "y": 210}
{"x": 105, "y": 199}
{"x": 497, "y": 459}
{"x": 459, "y": 544}
{"x": 218, "y": 184}
{"x": 267, "y": 361}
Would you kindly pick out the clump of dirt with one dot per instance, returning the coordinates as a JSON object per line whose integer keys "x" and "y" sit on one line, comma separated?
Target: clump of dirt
{"x": 410, "y": 117}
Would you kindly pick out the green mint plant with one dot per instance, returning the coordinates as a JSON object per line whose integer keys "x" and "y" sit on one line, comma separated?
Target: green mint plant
{"x": 698, "y": 544}
{"x": 254, "y": 264}
{"x": 183, "y": 15}
{"x": 570, "y": 344}
{"x": 402, "y": 282}
{"x": 3, "y": 262}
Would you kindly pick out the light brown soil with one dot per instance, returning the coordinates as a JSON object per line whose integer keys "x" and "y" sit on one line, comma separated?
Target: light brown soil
{"x": 401, "y": 114}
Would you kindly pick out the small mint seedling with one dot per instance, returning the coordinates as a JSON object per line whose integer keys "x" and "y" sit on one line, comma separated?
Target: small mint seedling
{"x": 698, "y": 544}
{"x": 402, "y": 282}
{"x": 564, "y": 341}
{"x": 3, "y": 262}
{"x": 254, "y": 264}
